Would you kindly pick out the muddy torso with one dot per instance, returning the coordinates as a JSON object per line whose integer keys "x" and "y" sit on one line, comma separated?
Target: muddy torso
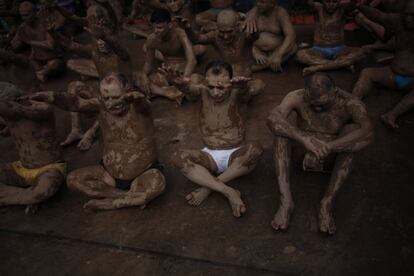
{"x": 270, "y": 32}
{"x": 235, "y": 54}
{"x": 37, "y": 32}
{"x": 222, "y": 126}
{"x": 404, "y": 54}
{"x": 129, "y": 145}
{"x": 329, "y": 28}
{"x": 171, "y": 48}
{"x": 36, "y": 142}
{"x": 328, "y": 123}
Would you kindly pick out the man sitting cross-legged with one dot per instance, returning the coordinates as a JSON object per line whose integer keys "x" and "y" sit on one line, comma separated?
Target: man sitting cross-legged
{"x": 41, "y": 170}
{"x": 226, "y": 155}
{"x": 128, "y": 174}
{"x": 317, "y": 122}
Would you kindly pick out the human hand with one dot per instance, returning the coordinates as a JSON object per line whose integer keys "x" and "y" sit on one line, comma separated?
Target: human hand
{"x": 249, "y": 25}
{"x": 132, "y": 96}
{"x": 318, "y": 147}
{"x": 240, "y": 81}
{"x": 275, "y": 63}
{"x": 259, "y": 57}
{"x": 182, "y": 22}
{"x": 46, "y": 97}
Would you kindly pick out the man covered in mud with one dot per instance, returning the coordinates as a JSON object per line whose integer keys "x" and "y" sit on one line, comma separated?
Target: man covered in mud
{"x": 177, "y": 52}
{"x": 100, "y": 57}
{"x": 45, "y": 55}
{"x": 226, "y": 155}
{"x": 41, "y": 170}
{"x": 277, "y": 38}
{"x": 129, "y": 173}
{"x": 329, "y": 51}
{"x": 207, "y": 20}
{"x": 400, "y": 74}
{"x": 318, "y": 124}
{"x": 232, "y": 44}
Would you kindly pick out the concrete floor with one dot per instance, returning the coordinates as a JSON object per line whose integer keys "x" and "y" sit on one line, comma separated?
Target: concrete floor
{"x": 373, "y": 212}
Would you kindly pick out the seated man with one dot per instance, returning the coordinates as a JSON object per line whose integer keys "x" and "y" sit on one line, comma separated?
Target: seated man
{"x": 46, "y": 56}
{"x": 141, "y": 10}
{"x": 329, "y": 51}
{"x": 41, "y": 170}
{"x": 319, "y": 121}
{"x": 226, "y": 155}
{"x": 207, "y": 20}
{"x": 400, "y": 75}
{"x": 277, "y": 38}
{"x": 128, "y": 174}
{"x": 177, "y": 51}
{"x": 232, "y": 44}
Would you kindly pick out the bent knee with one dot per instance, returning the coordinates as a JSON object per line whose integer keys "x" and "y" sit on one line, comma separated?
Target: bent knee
{"x": 254, "y": 149}
{"x": 72, "y": 181}
{"x": 157, "y": 184}
{"x": 180, "y": 158}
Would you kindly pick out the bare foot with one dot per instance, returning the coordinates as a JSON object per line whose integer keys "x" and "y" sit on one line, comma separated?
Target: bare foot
{"x": 326, "y": 221}
{"x": 73, "y": 136}
{"x": 389, "y": 121}
{"x": 31, "y": 209}
{"x": 282, "y": 217}
{"x": 196, "y": 197}
{"x": 86, "y": 142}
{"x": 309, "y": 70}
{"x": 236, "y": 203}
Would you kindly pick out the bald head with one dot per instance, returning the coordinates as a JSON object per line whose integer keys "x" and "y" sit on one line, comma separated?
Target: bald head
{"x": 227, "y": 18}
{"x": 27, "y": 10}
{"x": 319, "y": 84}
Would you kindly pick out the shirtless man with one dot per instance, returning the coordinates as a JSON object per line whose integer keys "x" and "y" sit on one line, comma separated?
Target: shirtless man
{"x": 320, "y": 121}
{"x": 141, "y": 10}
{"x": 226, "y": 155}
{"x": 400, "y": 75}
{"x": 277, "y": 38}
{"x": 46, "y": 56}
{"x": 329, "y": 51}
{"x": 207, "y": 20}
{"x": 40, "y": 171}
{"x": 177, "y": 51}
{"x": 231, "y": 43}
{"x": 128, "y": 174}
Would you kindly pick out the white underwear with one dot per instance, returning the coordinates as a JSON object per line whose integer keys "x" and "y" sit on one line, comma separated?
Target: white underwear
{"x": 220, "y": 157}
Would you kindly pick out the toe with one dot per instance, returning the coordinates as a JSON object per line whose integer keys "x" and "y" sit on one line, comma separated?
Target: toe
{"x": 189, "y": 196}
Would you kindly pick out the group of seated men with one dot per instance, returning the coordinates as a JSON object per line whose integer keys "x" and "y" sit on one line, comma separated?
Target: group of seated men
{"x": 321, "y": 125}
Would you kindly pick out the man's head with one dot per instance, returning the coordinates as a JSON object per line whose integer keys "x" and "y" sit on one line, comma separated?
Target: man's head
{"x": 112, "y": 88}
{"x": 161, "y": 21}
{"x": 175, "y": 6}
{"x": 218, "y": 76}
{"x": 409, "y": 15}
{"x": 9, "y": 92}
{"x": 228, "y": 25}
{"x": 320, "y": 91}
{"x": 27, "y": 11}
{"x": 97, "y": 16}
{"x": 263, "y": 6}
{"x": 331, "y": 5}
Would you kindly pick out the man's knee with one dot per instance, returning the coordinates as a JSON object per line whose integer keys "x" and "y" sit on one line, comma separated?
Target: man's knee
{"x": 302, "y": 55}
{"x": 47, "y": 185}
{"x": 180, "y": 159}
{"x": 157, "y": 184}
{"x": 73, "y": 181}
{"x": 256, "y": 87}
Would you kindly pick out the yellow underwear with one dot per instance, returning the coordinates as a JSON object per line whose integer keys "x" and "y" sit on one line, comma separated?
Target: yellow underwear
{"x": 30, "y": 175}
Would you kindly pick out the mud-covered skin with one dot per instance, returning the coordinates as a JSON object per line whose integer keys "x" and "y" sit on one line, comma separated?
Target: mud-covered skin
{"x": 329, "y": 32}
{"x": 207, "y": 20}
{"x": 340, "y": 127}
{"x": 177, "y": 51}
{"x": 231, "y": 43}
{"x": 128, "y": 146}
{"x": 276, "y": 36}
{"x": 32, "y": 127}
{"x": 45, "y": 55}
{"x": 222, "y": 127}
{"x": 401, "y": 65}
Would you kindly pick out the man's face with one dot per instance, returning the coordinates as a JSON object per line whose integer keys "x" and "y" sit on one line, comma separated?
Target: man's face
{"x": 111, "y": 97}
{"x": 227, "y": 33}
{"x": 174, "y": 6}
{"x": 409, "y": 21}
{"x": 265, "y": 5}
{"x": 27, "y": 14}
{"x": 320, "y": 100}
{"x": 219, "y": 84}
{"x": 161, "y": 29}
{"x": 102, "y": 46}
{"x": 331, "y": 5}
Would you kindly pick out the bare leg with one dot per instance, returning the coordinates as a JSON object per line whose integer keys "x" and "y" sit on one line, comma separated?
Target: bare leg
{"x": 76, "y": 132}
{"x": 263, "y": 57}
{"x": 405, "y": 105}
{"x": 345, "y": 59}
{"x": 197, "y": 166}
{"x": 160, "y": 87}
{"x": 144, "y": 189}
{"x": 310, "y": 56}
{"x": 84, "y": 67}
{"x": 242, "y": 162}
{"x": 369, "y": 76}
{"x": 46, "y": 185}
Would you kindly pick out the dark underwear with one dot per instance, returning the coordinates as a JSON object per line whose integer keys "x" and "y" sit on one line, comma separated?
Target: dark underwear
{"x": 126, "y": 184}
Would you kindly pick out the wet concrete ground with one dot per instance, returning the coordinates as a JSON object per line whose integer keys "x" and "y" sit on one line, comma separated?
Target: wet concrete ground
{"x": 373, "y": 211}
